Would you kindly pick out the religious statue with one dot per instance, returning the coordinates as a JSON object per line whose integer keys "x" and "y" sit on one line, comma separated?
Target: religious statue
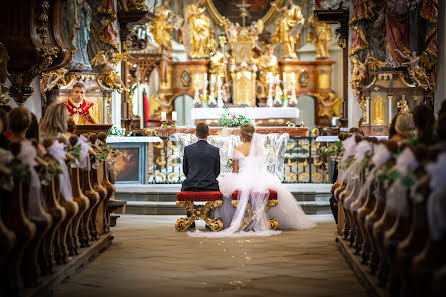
{"x": 392, "y": 17}
{"x": 218, "y": 63}
{"x": 79, "y": 109}
{"x": 288, "y": 28}
{"x": 379, "y": 111}
{"x": 329, "y": 105}
{"x": 402, "y": 105}
{"x": 162, "y": 27}
{"x": 197, "y": 34}
{"x": 268, "y": 63}
{"x": 77, "y": 16}
{"x": 108, "y": 33}
{"x": 320, "y": 34}
{"x": 110, "y": 77}
{"x": 417, "y": 72}
{"x": 358, "y": 73}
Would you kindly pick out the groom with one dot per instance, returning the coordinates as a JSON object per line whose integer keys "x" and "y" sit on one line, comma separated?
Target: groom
{"x": 201, "y": 163}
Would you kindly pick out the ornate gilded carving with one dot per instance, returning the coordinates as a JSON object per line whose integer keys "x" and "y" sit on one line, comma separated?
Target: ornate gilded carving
{"x": 329, "y": 105}
{"x": 3, "y": 73}
{"x": 128, "y": 5}
{"x": 402, "y": 105}
{"x": 249, "y": 214}
{"x": 109, "y": 78}
{"x": 43, "y": 20}
{"x": 378, "y": 111}
{"x": 223, "y": 22}
{"x": 199, "y": 213}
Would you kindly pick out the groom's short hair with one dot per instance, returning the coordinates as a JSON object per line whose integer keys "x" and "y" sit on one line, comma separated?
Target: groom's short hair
{"x": 202, "y": 130}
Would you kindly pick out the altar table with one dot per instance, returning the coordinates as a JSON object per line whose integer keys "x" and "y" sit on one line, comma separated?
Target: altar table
{"x": 263, "y": 116}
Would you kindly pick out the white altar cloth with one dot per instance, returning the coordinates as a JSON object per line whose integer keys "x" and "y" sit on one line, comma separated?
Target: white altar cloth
{"x": 254, "y": 113}
{"x": 115, "y": 139}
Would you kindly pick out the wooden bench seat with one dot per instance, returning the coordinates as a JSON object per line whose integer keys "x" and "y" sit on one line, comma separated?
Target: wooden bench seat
{"x": 201, "y": 212}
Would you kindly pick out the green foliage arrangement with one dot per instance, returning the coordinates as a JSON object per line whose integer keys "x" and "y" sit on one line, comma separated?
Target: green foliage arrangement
{"x": 333, "y": 150}
{"x": 229, "y": 119}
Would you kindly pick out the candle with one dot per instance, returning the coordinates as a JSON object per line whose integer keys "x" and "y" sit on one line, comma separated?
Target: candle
{"x": 197, "y": 77}
{"x": 174, "y": 115}
{"x": 205, "y": 77}
{"x": 284, "y": 76}
{"x": 163, "y": 116}
{"x": 292, "y": 76}
{"x": 212, "y": 77}
{"x": 277, "y": 78}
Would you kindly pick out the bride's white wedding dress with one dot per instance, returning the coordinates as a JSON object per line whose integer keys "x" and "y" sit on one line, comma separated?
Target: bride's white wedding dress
{"x": 253, "y": 182}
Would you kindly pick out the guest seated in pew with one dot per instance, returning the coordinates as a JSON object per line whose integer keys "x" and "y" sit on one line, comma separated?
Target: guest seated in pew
{"x": 424, "y": 120}
{"x": 392, "y": 131}
{"x": 4, "y": 120}
{"x": 19, "y": 122}
{"x": 405, "y": 128}
{"x": 55, "y": 122}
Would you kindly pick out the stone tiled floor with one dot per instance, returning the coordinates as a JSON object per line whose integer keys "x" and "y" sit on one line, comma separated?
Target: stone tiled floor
{"x": 149, "y": 258}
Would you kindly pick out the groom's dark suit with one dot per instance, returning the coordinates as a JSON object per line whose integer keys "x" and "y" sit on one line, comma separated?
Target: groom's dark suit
{"x": 201, "y": 166}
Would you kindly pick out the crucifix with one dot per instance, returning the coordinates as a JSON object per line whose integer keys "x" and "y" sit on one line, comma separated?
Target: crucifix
{"x": 244, "y": 11}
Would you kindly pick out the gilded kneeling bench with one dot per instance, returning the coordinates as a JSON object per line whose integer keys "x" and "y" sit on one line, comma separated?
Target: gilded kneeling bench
{"x": 199, "y": 212}
{"x": 271, "y": 202}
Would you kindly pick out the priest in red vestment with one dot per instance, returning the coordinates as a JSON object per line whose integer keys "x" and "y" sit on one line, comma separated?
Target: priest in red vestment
{"x": 78, "y": 108}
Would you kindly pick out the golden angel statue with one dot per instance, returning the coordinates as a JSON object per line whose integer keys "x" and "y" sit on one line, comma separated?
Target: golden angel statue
{"x": 197, "y": 31}
{"x": 320, "y": 34}
{"x": 358, "y": 73}
{"x": 267, "y": 63}
{"x": 417, "y": 72}
{"x": 329, "y": 105}
{"x": 162, "y": 26}
{"x": 288, "y": 28}
{"x": 107, "y": 66}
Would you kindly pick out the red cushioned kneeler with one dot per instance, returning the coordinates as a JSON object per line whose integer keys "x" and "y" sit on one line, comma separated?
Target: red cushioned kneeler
{"x": 199, "y": 196}
{"x": 272, "y": 195}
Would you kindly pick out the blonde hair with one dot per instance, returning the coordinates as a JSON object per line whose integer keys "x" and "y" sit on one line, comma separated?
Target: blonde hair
{"x": 55, "y": 121}
{"x": 247, "y": 131}
{"x": 405, "y": 125}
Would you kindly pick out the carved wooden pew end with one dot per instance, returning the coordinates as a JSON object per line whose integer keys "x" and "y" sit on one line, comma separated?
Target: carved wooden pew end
{"x": 271, "y": 202}
{"x": 186, "y": 200}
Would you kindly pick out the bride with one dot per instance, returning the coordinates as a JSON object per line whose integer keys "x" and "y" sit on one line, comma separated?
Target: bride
{"x": 251, "y": 178}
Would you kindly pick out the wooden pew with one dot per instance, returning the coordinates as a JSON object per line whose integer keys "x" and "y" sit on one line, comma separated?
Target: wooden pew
{"x": 107, "y": 185}
{"x": 15, "y": 219}
{"x": 98, "y": 214}
{"x": 31, "y": 266}
{"x": 58, "y": 214}
{"x": 82, "y": 201}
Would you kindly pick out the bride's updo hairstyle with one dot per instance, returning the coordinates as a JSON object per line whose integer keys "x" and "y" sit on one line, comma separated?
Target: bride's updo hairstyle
{"x": 247, "y": 131}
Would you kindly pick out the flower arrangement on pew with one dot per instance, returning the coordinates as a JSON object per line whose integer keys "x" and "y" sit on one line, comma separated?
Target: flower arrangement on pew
{"x": 229, "y": 119}
{"x": 333, "y": 151}
{"x": 52, "y": 169}
{"x": 108, "y": 154}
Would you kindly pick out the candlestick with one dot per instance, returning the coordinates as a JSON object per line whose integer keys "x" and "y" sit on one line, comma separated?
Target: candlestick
{"x": 174, "y": 115}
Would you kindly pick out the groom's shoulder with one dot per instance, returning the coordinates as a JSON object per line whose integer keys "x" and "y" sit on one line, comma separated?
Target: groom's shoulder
{"x": 213, "y": 147}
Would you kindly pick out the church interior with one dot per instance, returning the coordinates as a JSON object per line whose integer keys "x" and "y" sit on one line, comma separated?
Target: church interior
{"x": 100, "y": 98}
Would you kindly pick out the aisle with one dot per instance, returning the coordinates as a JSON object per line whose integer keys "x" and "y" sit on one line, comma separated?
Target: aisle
{"x": 149, "y": 258}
